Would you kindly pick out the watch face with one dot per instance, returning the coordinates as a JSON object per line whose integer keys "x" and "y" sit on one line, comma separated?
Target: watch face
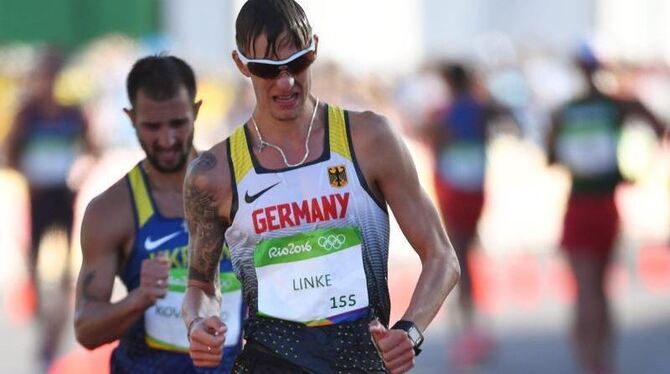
{"x": 415, "y": 336}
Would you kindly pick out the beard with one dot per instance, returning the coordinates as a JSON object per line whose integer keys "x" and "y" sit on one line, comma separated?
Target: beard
{"x": 177, "y": 166}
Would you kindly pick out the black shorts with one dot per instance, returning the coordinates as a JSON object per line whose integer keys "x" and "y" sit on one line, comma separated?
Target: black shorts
{"x": 346, "y": 347}
{"x": 53, "y": 206}
{"x": 257, "y": 359}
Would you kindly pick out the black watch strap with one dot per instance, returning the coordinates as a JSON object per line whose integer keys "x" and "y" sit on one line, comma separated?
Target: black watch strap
{"x": 413, "y": 331}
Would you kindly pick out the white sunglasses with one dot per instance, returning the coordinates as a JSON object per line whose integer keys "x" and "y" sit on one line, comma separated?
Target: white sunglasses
{"x": 270, "y": 69}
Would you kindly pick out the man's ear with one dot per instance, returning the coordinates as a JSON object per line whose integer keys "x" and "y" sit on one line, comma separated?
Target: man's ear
{"x": 316, "y": 44}
{"x": 196, "y": 109}
{"x": 131, "y": 115}
{"x": 240, "y": 66}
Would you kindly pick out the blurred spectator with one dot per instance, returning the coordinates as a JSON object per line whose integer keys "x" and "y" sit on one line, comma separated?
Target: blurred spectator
{"x": 458, "y": 135}
{"x": 43, "y": 144}
{"x": 584, "y": 138}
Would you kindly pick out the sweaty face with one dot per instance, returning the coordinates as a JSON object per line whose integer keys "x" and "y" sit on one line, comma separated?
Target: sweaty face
{"x": 283, "y": 97}
{"x": 165, "y": 129}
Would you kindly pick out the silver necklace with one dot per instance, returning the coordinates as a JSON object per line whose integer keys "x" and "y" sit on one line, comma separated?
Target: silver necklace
{"x": 262, "y": 143}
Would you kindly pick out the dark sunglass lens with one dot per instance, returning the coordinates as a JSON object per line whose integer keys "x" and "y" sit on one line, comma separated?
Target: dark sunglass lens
{"x": 265, "y": 71}
{"x": 299, "y": 65}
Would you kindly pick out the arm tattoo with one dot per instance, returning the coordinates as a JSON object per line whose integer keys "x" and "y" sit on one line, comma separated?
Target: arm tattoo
{"x": 205, "y": 162}
{"x": 204, "y": 225}
{"x": 86, "y": 293}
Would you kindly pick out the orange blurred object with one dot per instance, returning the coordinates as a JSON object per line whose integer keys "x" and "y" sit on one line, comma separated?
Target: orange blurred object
{"x": 654, "y": 269}
{"x": 21, "y": 303}
{"x": 82, "y": 361}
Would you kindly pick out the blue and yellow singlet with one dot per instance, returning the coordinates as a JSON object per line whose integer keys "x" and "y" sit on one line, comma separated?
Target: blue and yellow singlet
{"x": 157, "y": 342}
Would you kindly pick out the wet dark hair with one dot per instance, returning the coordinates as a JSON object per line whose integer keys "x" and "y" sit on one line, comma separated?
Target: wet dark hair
{"x": 273, "y": 18}
{"x": 160, "y": 77}
{"x": 457, "y": 76}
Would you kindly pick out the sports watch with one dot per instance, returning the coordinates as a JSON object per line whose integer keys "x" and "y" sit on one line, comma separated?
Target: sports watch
{"x": 413, "y": 332}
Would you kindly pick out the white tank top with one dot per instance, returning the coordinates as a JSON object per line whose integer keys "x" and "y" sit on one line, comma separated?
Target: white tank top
{"x": 309, "y": 243}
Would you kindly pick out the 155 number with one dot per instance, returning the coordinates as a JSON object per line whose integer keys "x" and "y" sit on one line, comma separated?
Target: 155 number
{"x": 342, "y": 301}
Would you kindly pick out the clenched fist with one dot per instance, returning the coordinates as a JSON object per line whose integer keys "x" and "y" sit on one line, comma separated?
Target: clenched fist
{"x": 154, "y": 276}
{"x": 395, "y": 347}
{"x": 207, "y": 336}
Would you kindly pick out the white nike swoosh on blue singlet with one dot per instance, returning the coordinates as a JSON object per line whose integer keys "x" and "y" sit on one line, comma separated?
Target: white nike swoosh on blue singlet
{"x": 153, "y": 244}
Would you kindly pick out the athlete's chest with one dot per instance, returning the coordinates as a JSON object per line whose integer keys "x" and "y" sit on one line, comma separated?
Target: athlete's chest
{"x": 169, "y": 204}
{"x": 163, "y": 237}
{"x": 315, "y": 193}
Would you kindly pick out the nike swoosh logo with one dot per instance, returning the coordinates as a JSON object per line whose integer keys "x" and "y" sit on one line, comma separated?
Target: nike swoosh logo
{"x": 150, "y": 245}
{"x": 250, "y": 199}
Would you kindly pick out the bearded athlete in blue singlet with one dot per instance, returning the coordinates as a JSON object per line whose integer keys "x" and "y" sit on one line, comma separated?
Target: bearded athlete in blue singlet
{"x": 136, "y": 230}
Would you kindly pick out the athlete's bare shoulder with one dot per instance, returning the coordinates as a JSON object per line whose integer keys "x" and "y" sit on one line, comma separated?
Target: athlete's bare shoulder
{"x": 368, "y": 126}
{"x": 209, "y": 175}
{"x": 376, "y": 146}
{"x": 371, "y": 133}
{"x": 210, "y": 169}
{"x": 108, "y": 221}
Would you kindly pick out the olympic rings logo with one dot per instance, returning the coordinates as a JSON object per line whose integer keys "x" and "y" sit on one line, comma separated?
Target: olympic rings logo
{"x": 331, "y": 242}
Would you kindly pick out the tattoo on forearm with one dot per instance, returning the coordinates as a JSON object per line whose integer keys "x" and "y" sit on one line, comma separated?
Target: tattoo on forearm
{"x": 85, "y": 292}
{"x": 204, "y": 225}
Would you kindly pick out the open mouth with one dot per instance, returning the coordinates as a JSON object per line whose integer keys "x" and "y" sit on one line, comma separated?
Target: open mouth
{"x": 286, "y": 100}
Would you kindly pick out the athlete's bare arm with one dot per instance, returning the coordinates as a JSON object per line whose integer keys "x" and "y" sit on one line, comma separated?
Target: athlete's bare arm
{"x": 390, "y": 173}
{"x": 207, "y": 199}
{"x": 106, "y": 235}
{"x": 551, "y": 136}
{"x": 389, "y": 170}
{"x": 14, "y": 140}
{"x": 206, "y": 238}
{"x": 432, "y": 133}
{"x": 501, "y": 119}
{"x": 636, "y": 108}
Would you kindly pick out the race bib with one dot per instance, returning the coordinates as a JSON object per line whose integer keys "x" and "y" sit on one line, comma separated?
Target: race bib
{"x": 47, "y": 160}
{"x": 588, "y": 151}
{"x": 463, "y": 164}
{"x": 163, "y": 323}
{"x": 314, "y": 278}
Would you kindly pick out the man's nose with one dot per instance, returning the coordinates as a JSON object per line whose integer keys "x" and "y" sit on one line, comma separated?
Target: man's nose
{"x": 285, "y": 80}
{"x": 168, "y": 137}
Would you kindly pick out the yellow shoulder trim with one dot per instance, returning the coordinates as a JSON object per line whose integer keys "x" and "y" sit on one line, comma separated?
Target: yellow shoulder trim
{"x": 239, "y": 153}
{"x": 337, "y": 132}
{"x": 140, "y": 196}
